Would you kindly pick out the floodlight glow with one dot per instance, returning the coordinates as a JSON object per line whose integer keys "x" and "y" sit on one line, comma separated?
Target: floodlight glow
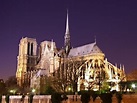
{"x": 33, "y": 90}
{"x": 69, "y": 88}
{"x": 12, "y": 91}
{"x": 133, "y": 85}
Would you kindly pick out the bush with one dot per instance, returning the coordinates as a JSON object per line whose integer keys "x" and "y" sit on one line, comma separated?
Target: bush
{"x": 64, "y": 97}
{"x": 85, "y": 97}
{"x": 103, "y": 97}
{"x": 119, "y": 97}
{"x": 49, "y": 90}
{"x": 0, "y": 98}
{"x": 56, "y": 98}
{"x": 94, "y": 94}
{"x": 7, "y": 98}
{"x": 30, "y": 100}
{"x": 22, "y": 98}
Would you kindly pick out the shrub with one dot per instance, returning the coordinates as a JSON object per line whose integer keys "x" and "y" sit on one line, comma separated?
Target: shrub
{"x": 30, "y": 100}
{"x": 119, "y": 97}
{"x": 56, "y": 98}
{"x": 7, "y": 98}
{"x": 85, "y": 97}
{"x": 49, "y": 90}
{"x": 22, "y": 98}
{"x": 103, "y": 97}
{"x": 0, "y": 98}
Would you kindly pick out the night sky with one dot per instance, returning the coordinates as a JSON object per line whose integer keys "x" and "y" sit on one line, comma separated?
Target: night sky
{"x": 113, "y": 22}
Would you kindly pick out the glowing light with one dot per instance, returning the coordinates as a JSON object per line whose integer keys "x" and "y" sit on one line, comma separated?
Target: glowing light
{"x": 69, "y": 88}
{"x": 133, "y": 85}
{"x": 95, "y": 89}
{"x": 12, "y": 91}
{"x": 33, "y": 90}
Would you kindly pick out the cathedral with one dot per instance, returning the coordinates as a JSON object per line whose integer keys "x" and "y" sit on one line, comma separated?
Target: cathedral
{"x": 85, "y": 65}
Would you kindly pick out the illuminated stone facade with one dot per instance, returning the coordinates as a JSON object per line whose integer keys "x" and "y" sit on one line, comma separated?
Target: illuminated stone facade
{"x": 86, "y": 65}
{"x": 26, "y": 58}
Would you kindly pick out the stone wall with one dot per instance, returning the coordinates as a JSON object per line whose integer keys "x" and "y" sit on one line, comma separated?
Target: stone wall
{"x": 126, "y": 98}
{"x": 129, "y": 98}
{"x": 36, "y": 99}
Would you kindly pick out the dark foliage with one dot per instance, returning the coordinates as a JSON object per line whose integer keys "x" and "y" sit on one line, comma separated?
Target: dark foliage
{"x": 56, "y": 97}
{"x": 106, "y": 97}
{"x": 11, "y": 84}
{"x": 119, "y": 97}
{"x": 85, "y": 97}
{"x": 30, "y": 100}
{"x": 64, "y": 97}
{"x": 22, "y": 98}
{"x": 7, "y": 98}
{"x": 0, "y": 98}
{"x": 49, "y": 90}
{"x": 3, "y": 89}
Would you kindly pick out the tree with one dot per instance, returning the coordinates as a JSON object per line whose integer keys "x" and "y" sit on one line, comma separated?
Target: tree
{"x": 2, "y": 87}
{"x": 48, "y": 87}
{"x": 58, "y": 84}
{"x": 11, "y": 85}
{"x": 74, "y": 70}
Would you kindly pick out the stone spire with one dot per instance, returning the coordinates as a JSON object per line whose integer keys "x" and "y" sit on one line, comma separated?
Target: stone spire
{"x": 52, "y": 45}
{"x": 67, "y": 36}
{"x": 123, "y": 68}
{"x": 67, "y": 24}
{"x": 95, "y": 39}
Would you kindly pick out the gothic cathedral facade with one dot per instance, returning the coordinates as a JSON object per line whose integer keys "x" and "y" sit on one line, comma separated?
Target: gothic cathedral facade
{"x": 86, "y": 65}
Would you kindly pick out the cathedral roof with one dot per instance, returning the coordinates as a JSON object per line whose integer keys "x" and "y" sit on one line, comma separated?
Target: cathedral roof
{"x": 84, "y": 50}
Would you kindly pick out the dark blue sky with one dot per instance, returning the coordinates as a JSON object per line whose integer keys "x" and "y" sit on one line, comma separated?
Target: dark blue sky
{"x": 113, "y": 22}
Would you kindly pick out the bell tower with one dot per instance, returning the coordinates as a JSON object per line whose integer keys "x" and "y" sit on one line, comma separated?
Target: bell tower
{"x": 26, "y": 59}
